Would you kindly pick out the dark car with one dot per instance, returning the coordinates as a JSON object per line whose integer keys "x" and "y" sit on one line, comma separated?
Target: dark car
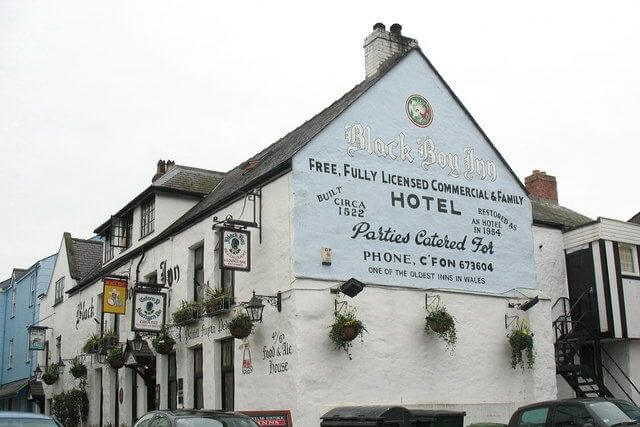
{"x": 587, "y": 412}
{"x": 194, "y": 418}
{"x": 26, "y": 419}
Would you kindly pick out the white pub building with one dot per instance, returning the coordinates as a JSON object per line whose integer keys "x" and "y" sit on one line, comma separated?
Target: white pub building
{"x": 389, "y": 203}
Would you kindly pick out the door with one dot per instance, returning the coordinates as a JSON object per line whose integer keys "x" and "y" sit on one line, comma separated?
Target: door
{"x": 581, "y": 277}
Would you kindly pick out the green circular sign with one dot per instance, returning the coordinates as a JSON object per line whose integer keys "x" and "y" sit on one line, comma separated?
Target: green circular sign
{"x": 419, "y": 111}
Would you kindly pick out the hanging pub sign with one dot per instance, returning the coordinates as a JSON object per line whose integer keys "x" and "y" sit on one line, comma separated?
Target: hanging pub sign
{"x": 149, "y": 309}
{"x": 114, "y": 296}
{"x": 37, "y": 337}
{"x": 236, "y": 248}
{"x": 270, "y": 418}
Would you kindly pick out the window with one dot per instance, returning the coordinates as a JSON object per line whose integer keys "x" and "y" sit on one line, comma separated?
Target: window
{"x": 535, "y": 417}
{"x": 172, "y": 387}
{"x": 198, "y": 272}
{"x": 628, "y": 259}
{"x": 10, "y": 364}
{"x": 108, "y": 248}
{"x": 59, "y": 291}
{"x": 32, "y": 288}
{"x": 120, "y": 231}
{"x": 198, "y": 395}
{"x": 226, "y": 371}
{"x": 571, "y": 416}
{"x": 59, "y": 347}
{"x": 227, "y": 280}
{"x": 147, "y": 217}
{"x": 14, "y": 295}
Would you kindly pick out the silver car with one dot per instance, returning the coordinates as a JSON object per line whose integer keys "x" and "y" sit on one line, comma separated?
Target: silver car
{"x": 194, "y": 418}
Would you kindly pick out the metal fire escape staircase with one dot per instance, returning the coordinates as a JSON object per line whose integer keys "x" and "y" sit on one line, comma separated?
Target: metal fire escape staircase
{"x": 579, "y": 354}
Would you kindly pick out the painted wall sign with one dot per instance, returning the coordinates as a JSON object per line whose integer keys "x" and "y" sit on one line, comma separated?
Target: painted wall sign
{"x": 278, "y": 354}
{"x": 169, "y": 275}
{"x": 114, "y": 296}
{"x": 236, "y": 249}
{"x": 400, "y": 203}
{"x": 84, "y": 311}
{"x": 149, "y": 310}
{"x": 37, "y": 337}
{"x": 270, "y": 418}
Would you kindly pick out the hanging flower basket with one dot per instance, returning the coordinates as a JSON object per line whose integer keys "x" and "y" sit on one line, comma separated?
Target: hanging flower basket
{"x": 163, "y": 343}
{"x": 50, "y": 375}
{"x": 521, "y": 342}
{"x": 187, "y": 314}
{"x": 443, "y": 324}
{"x": 240, "y": 326}
{"x": 92, "y": 345}
{"x": 217, "y": 302}
{"x": 344, "y": 329}
{"x": 78, "y": 369}
{"x": 115, "y": 358}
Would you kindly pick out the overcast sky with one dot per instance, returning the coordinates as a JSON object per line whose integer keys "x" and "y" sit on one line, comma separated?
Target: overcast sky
{"x": 93, "y": 93}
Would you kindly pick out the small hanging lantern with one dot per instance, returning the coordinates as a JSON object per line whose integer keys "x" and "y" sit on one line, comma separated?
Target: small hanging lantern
{"x": 38, "y": 372}
{"x": 137, "y": 342}
{"x": 254, "y": 308}
{"x": 60, "y": 367}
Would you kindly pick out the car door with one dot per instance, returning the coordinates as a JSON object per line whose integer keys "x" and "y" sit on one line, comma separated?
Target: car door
{"x": 571, "y": 415}
{"x": 537, "y": 416}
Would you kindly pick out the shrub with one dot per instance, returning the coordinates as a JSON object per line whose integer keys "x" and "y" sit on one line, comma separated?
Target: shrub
{"x": 92, "y": 345}
{"x": 217, "y": 300}
{"x": 189, "y": 312}
{"x": 163, "y": 342}
{"x": 115, "y": 357}
{"x": 240, "y": 326}
{"x": 78, "y": 369}
{"x": 50, "y": 375}
{"x": 70, "y": 407}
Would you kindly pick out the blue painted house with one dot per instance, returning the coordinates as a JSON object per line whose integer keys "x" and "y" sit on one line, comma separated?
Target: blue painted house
{"x": 20, "y": 308}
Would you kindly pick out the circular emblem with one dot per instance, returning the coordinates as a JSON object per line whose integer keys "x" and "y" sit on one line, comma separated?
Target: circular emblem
{"x": 419, "y": 111}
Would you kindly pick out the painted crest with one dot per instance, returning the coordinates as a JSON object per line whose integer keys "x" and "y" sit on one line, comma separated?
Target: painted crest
{"x": 419, "y": 111}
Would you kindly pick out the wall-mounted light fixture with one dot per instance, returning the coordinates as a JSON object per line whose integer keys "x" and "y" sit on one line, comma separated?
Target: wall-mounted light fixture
{"x": 60, "y": 367}
{"x": 350, "y": 288}
{"x": 137, "y": 342}
{"x": 255, "y": 306}
{"x": 37, "y": 372}
{"x": 525, "y": 305}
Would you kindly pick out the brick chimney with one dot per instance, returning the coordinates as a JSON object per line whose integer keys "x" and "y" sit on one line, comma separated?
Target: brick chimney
{"x": 382, "y": 45}
{"x": 161, "y": 169}
{"x": 542, "y": 186}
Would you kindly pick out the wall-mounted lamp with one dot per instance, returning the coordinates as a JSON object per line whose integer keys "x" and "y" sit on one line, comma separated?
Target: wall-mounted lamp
{"x": 255, "y": 306}
{"x": 37, "y": 372}
{"x": 525, "y": 305}
{"x": 60, "y": 367}
{"x": 350, "y": 288}
{"x": 137, "y": 342}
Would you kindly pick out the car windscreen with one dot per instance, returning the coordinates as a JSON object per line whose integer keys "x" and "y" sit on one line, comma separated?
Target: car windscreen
{"x": 629, "y": 409}
{"x": 609, "y": 413}
{"x": 26, "y": 422}
{"x": 215, "y": 422}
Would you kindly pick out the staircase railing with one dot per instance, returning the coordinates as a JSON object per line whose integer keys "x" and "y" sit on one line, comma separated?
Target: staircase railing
{"x": 563, "y": 325}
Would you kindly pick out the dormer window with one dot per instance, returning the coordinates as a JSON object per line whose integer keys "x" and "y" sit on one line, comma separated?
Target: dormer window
{"x": 147, "y": 217}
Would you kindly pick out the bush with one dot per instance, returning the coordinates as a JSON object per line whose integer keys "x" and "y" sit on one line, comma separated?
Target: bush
{"x": 92, "y": 345}
{"x": 70, "y": 407}
{"x": 217, "y": 300}
{"x": 115, "y": 357}
{"x": 344, "y": 329}
{"x": 442, "y": 324}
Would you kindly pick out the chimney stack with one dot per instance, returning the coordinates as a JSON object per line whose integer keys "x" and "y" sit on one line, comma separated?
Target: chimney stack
{"x": 159, "y": 171}
{"x": 381, "y": 46}
{"x": 542, "y": 186}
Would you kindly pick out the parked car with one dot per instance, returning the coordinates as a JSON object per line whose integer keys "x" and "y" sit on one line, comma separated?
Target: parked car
{"x": 26, "y": 419}
{"x": 194, "y": 418}
{"x": 586, "y": 412}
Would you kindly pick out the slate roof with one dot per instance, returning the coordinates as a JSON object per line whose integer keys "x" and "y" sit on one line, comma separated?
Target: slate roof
{"x": 84, "y": 256}
{"x": 546, "y": 212}
{"x": 178, "y": 179}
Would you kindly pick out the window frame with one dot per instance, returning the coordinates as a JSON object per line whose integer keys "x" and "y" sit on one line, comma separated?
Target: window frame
{"x": 230, "y": 288}
{"x": 59, "y": 348}
{"x": 59, "y": 291}
{"x": 571, "y": 405}
{"x": 108, "y": 248}
{"x": 224, "y": 370}
{"x": 547, "y": 420}
{"x": 172, "y": 379}
{"x": 198, "y": 375}
{"x": 198, "y": 265}
{"x": 14, "y": 300}
{"x": 634, "y": 259}
{"x": 11, "y": 348}
{"x": 147, "y": 216}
